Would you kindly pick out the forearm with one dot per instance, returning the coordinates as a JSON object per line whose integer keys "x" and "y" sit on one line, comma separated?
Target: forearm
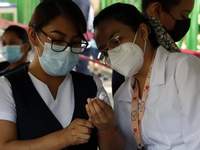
{"x": 53, "y": 141}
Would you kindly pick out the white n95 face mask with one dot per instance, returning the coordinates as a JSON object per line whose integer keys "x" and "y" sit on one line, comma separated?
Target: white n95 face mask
{"x": 127, "y": 59}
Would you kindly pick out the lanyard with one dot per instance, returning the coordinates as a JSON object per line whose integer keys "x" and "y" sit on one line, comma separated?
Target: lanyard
{"x": 136, "y": 113}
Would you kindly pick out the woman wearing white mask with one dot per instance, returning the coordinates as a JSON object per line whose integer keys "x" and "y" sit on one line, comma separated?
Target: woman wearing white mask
{"x": 157, "y": 106}
{"x": 174, "y": 17}
{"x": 15, "y": 48}
{"x": 43, "y": 105}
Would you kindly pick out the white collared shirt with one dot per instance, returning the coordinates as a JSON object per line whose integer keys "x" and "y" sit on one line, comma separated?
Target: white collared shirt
{"x": 172, "y": 112}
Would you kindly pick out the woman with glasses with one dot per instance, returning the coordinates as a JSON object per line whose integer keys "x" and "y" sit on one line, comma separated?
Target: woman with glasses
{"x": 15, "y": 49}
{"x": 174, "y": 17}
{"x": 46, "y": 105}
{"x": 157, "y": 107}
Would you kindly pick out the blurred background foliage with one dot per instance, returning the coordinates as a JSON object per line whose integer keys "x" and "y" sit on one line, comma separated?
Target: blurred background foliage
{"x": 190, "y": 41}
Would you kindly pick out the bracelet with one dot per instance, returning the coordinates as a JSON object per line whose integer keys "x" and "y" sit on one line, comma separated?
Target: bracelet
{"x": 110, "y": 135}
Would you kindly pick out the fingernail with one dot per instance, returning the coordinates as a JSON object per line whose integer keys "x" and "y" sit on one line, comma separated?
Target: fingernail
{"x": 86, "y": 106}
{"x": 88, "y": 100}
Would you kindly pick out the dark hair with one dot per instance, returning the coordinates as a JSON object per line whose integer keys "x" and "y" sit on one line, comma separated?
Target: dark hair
{"x": 126, "y": 14}
{"x": 46, "y": 11}
{"x": 166, "y": 4}
{"x": 19, "y": 31}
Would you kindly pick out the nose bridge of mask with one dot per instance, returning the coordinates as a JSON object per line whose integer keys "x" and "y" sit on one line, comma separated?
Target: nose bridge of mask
{"x": 49, "y": 45}
{"x": 12, "y": 46}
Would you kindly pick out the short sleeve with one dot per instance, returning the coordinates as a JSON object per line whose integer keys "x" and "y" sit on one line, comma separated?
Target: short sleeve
{"x": 188, "y": 83}
{"x": 7, "y": 104}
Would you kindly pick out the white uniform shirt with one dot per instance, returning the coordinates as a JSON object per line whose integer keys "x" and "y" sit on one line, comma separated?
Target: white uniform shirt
{"x": 171, "y": 119}
{"x": 62, "y": 107}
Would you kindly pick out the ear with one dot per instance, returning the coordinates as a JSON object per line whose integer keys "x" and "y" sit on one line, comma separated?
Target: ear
{"x": 143, "y": 31}
{"x": 32, "y": 36}
{"x": 156, "y": 9}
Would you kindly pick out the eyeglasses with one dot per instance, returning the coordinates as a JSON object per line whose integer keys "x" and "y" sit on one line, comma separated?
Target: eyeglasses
{"x": 60, "y": 46}
{"x": 112, "y": 43}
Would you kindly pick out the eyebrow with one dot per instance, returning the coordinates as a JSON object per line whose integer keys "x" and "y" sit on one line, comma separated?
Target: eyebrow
{"x": 61, "y": 33}
{"x": 111, "y": 36}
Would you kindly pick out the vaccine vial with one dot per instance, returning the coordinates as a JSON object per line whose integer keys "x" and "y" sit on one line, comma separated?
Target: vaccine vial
{"x": 102, "y": 96}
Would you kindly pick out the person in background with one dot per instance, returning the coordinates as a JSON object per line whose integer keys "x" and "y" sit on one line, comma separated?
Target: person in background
{"x": 174, "y": 17}
{"x": 44, "y": 105}
{"x": 15, "y": 49}
{"x": 95, "y": 51}
{"x": 157, "y": 106}
{"x": 87, "y": 9}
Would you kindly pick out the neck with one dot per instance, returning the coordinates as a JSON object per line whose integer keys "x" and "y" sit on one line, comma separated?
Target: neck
{"x": 147, "y": 61}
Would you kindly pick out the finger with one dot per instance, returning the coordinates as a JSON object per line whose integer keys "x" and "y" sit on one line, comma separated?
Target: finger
{"x": 84, "y": 136}
{"x": 105, "y": 107}
{"x": 82, "y": 141}
{"x": 83, "y": 130}
{"x": 85, "y": 123}
{"x": 89, "y": 112}
{"x": 99, "y": 110}
{"x": 94, "y": 114}
{"x": 80, "y": 138}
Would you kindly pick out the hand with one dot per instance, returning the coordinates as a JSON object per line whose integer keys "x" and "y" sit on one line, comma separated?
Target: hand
{"x": 101, "y": 114}
{"x": 78, "y": 132}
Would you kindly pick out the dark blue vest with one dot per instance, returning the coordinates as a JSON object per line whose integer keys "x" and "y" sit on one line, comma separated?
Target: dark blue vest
{"x": 34, "y": 118}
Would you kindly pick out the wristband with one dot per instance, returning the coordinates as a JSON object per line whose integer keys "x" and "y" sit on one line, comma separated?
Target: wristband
{"x": 110, "y": 135}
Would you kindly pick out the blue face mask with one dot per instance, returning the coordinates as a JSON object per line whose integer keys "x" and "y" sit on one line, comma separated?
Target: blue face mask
{"x": 11, "y": 53}
{"x": 57, "y": 63}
